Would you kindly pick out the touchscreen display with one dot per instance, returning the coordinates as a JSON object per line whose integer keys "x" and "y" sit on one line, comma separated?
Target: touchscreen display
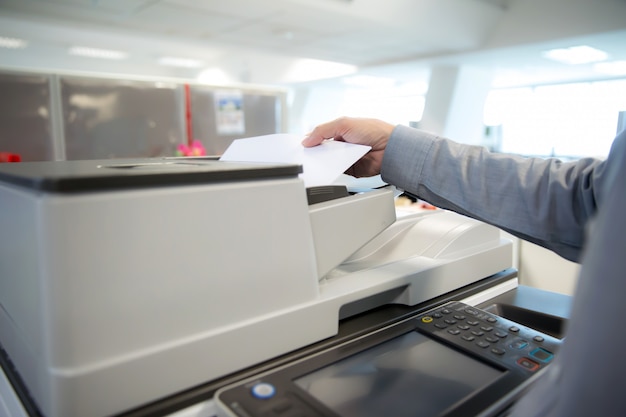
{"x": 411, "y": 375}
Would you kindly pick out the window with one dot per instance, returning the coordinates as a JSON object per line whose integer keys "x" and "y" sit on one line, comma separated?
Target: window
{"x": 567, "y": 120}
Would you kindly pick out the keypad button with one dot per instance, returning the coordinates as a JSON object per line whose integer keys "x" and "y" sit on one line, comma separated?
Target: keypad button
{"x": 538, "y": 339}
{"x": 514, "y": 329}
{"x": 473, "y": 322}
{"x": 492, "y": 320}
{"x": 463, "y": 327}
{"x": 482, "y": 344}
{"x": 450, "y": 321}
{"x": 441, "y": 326}
{"x": 459, "y": 316}
{"x": 498, "y": 351}
{"x": 477, "y": 333}
{"x": 468, "y": 337}
{"x": 437, "y": 315}
{"x": 486, "y": 328}
{"x": 519, "y": 344}
{"x": 491, "y": 339}
{"x": 445, "y": 311}
{"x": 454, "y": 331}
{"x": 500, "y": 334}
{"x": 471, "y": 311}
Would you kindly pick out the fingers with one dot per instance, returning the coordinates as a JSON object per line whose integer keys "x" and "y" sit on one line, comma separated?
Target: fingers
{"x": 371, "y": 132}
{"x": 330, "y": 130}
{"x": 312, "y": 139}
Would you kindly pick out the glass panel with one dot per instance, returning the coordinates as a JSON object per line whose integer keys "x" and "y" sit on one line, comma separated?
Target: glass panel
{"x": 221, "y": 116}
{"x": 568, "y": 121}
{"x": 118, "y": 119}
{"x": 25, "y": 116}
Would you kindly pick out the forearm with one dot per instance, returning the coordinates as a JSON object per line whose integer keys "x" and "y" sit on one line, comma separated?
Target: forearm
{"x": 543, "y": 201}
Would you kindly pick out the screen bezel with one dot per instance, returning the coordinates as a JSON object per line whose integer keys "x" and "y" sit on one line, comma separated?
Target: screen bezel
{"x": 500, "y": 392}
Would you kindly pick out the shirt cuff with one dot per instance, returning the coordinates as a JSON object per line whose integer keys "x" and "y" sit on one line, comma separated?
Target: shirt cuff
{"x": 405, "y": 155}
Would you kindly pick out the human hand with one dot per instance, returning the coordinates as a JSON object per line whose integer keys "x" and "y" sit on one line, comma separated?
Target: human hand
{"x": 371, "y": 132}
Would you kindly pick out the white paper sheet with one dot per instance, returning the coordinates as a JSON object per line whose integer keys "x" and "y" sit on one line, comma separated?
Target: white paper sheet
{"x": 322, "y": 164}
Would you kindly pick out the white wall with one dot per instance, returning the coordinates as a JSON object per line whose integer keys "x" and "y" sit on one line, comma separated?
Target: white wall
{"x": 541, "y": 268}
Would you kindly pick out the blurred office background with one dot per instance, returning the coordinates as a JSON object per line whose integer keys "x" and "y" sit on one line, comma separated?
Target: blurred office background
{"x": 84, "y": 79}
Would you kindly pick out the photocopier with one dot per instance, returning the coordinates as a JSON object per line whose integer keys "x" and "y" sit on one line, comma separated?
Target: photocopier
{"x": 197, "y": 287}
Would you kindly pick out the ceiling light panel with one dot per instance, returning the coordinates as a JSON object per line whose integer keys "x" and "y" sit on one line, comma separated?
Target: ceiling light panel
{"x": 172, "y": 61}
{"x": 12, "y": 43}
{"x": 97, "y": 53}
{"x": 576, "y": 55}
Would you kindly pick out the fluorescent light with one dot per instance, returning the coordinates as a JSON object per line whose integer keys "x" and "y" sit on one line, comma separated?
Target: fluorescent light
{"x": 97, "y": 53}
{"x": 611, "y": 68}
{"x": 12, "y": 43}
{"x": 574, "y": 55}
{"x": 369, "y": 81}
{"x": 312, "y": 69}
{"x": 172, "y": 61}
{"x": 214, "y": 76}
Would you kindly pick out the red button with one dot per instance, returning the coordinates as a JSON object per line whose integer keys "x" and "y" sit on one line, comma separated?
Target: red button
{"x": 528, "y": 364}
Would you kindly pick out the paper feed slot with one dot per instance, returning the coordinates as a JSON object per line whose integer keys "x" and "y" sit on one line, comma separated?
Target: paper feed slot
{"x": 341, "y": 226}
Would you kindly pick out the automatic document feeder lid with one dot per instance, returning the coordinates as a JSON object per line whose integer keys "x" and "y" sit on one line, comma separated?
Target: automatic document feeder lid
{"x": 113, "y": 174}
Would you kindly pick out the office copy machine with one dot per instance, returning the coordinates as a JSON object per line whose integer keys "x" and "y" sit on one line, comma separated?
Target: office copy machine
{"x": 126, "y": 281}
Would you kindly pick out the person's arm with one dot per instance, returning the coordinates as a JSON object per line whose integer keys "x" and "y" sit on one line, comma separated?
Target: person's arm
{"x": 544, "y": 201}
{"x": 589, "y": 371}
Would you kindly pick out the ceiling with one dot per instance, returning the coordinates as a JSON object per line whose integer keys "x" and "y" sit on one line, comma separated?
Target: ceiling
{"x": 272, "y": 41}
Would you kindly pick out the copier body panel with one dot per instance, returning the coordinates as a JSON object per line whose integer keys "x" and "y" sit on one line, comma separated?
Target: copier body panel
{"x": 123, "y": 282}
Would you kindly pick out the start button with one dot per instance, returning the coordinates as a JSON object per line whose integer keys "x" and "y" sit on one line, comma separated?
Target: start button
{"x": 263, "y": 390}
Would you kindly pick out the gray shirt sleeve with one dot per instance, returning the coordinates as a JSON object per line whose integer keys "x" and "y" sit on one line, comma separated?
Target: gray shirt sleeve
{"x": 586, "y": 202}
{"x": 544, "y": 201}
